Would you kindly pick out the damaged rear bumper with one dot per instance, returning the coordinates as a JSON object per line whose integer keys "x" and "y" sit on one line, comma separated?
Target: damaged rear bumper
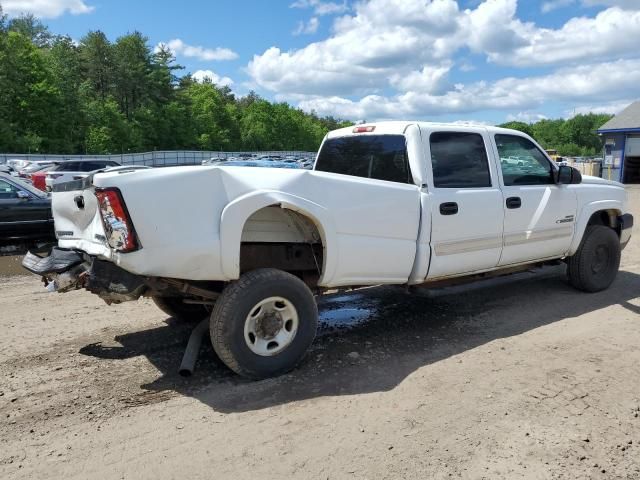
{"x": 65, "y": 270}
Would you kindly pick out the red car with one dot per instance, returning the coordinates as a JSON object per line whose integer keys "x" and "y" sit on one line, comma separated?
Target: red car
{"x": 37, "y": 179}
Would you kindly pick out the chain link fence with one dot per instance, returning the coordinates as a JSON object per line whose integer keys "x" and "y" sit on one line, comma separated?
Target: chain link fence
{"x": 163, "y": 158}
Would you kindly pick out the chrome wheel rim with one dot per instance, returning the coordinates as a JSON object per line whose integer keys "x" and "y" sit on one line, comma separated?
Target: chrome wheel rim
{"x": 271, "y": 326}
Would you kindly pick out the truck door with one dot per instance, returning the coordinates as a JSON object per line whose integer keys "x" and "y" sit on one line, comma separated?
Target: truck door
{"x": 539, "y": 215}
{"x": 465, "y": 200}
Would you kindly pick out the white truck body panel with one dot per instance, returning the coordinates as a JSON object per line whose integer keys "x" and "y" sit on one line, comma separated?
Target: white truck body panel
{"x": 191, "y": 221}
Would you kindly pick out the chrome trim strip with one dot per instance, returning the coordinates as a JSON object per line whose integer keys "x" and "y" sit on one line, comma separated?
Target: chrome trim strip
{"x": 530, "y": 236}
{"x": 468, "y": 245}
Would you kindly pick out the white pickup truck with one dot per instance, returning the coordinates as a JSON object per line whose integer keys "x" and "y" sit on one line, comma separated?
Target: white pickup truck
{"x": 405, "y": 203}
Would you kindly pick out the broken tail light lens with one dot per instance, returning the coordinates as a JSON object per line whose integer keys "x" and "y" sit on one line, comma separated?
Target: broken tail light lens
{"x": 118, "y": 227}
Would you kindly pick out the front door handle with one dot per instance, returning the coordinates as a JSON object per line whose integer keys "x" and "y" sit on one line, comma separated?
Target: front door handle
{"x": 448, "y": 208}
{"x": 514, "y": 202}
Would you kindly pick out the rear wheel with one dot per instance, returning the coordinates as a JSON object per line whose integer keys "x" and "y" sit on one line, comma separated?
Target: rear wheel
{"x": 177, "y": 308}
{"x": 595, "y": 265}
{"x": 263, "y": 324}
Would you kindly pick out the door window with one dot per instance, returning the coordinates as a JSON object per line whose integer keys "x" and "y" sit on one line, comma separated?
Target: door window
{"x": 459, "y": 160}
{"x": 522, "y": 162}
{"x": 7, "y": 191}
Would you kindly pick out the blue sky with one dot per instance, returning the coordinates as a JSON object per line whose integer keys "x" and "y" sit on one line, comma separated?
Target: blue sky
{"x": 442, "y": 60}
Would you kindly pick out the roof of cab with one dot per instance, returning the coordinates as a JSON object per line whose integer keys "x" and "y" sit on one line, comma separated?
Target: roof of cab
{"x": 399, "y": 127}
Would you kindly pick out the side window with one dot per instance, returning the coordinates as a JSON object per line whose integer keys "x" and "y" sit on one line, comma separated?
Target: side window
{"x": 68, "y": 167}
{"x": 522, "y": 162}
{"x": 459, "y": 160}
{"x": 90, "y": 166}
{"x": 7, "y": 191}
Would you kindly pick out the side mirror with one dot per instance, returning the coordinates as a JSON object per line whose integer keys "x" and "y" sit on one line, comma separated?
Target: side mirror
{"x": 568, "y": 175}
{"x": 22, "y": 195}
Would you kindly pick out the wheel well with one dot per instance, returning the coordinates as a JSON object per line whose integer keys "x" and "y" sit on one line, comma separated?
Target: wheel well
{"x": 608, "y": 218}
{"x": 277, "y": 237}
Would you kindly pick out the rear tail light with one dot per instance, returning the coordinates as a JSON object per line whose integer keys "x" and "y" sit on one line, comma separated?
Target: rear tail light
{"x": 118, "y": 227}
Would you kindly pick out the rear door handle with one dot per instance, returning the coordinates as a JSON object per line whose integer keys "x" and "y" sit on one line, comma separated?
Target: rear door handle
{"x": 514, "y": 202}
{"x": 448, "y": 208}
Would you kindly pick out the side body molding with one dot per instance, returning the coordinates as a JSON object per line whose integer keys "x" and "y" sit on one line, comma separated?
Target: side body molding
{"x": 584, "y": 216}
{"x": 236, "y": 213}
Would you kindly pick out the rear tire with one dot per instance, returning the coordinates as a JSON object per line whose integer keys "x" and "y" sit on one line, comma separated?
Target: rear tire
{"x": 263, "y": 324}
{"x": 176, "y": 308}
{"x": 595, "y": 265}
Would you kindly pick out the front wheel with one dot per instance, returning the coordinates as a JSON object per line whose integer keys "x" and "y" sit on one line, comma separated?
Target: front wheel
{"x": 595, "y": 265}
{"x": 263, "y": 324}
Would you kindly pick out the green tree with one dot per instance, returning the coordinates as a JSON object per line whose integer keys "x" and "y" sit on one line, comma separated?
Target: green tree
{"x": 28, "y": 96}
{"x": 520, "y": 126}
{"x": 32, "y": 28}
{"x": 131, "y": 71}
{"x": 96, "y": 56}
{"x": 63, "y": 61}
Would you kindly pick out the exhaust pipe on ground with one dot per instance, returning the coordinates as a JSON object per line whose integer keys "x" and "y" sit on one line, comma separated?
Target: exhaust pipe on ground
{"x": 192, "y": 351}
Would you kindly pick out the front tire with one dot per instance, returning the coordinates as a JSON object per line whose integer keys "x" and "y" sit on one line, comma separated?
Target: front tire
{"x": 263, "y": 324}
{"x": 595, "y": 265}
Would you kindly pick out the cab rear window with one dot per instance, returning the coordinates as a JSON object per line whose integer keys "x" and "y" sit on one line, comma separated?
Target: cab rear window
{"x": 381, "y": 157}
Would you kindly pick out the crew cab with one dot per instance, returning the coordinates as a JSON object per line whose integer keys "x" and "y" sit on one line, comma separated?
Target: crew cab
{"x": 404, "y": 203}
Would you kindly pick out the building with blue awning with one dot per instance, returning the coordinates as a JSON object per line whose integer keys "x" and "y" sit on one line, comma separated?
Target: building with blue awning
{"x": 621, "y": 137}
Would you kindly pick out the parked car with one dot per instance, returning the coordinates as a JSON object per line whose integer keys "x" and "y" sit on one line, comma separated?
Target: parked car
{"x": 25, "y": 212}
{"x": 9, "y": 170}
{"x": 35, "y": 166}
{"x": 405, "y": 203}
{"x": 17, "y": 163}
{"x": 38, "y": 179}
{"x": 74, "y": 170}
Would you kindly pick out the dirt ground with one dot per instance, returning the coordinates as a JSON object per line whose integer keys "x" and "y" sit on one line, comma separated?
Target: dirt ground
{"x": 521, "y": 377}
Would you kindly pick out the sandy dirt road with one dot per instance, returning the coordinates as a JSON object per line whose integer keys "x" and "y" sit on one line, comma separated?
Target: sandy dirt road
{"x": 521, "y": 377}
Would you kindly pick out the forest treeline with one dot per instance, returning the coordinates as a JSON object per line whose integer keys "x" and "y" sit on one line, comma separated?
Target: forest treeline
{"x": 98, "y": 96}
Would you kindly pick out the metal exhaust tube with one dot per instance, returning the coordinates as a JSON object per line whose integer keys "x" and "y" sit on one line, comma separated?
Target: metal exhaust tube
{"x": 190, "y": 356}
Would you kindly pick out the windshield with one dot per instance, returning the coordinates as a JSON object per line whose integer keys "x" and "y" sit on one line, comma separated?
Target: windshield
{"x": 381, "y": 157}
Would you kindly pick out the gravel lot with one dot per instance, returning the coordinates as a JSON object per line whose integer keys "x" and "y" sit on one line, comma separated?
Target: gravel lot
{"x": 520, "y": 377}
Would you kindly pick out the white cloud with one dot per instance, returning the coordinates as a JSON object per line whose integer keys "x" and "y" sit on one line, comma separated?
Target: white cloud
{"x": 45, "y": 8}
{"x": 609, "y": 107}
{"x": 428, "y": 80}
{"x": 307, "y": 28}
{"x": 551, "y": 5}
{"x": 178, "y": 47}
{"x": 612, "y": 32}
{"x": 321, "y": 7}
{"x": 526, "y": 117}
{"x": 204, "y": 75}
{"x": 385, "y": 39}
{"x": 580, "y": 85}
{"x": 394, "y": 59}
